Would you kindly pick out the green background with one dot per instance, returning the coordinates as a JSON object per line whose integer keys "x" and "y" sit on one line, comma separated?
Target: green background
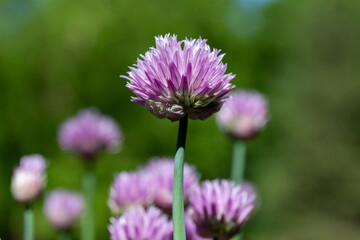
{"x": 58, "y": 56}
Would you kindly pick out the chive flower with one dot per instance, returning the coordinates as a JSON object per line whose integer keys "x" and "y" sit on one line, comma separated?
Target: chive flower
{"x": 63, "y": 208}
{"x": 28, "y": 179}
{"x": 130, "y": 189}
{"x": 88, "y": 133}
{"x": 178, "y": 78}
{"x": 140, "y": 224}
{"x": 243, "y": 115}
{"x": 220, "y": 208}
{"x": 190, "y": 229}
{"x": 161, "y": 173}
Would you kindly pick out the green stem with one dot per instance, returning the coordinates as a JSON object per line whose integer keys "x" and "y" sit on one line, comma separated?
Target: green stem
{"x": 238, "y": 237}
{"x": 238, "y": 168}
{"x": 88, "y": 220}
{"x": 28, "y": 223}
{"x": 178, "y": 194}
{"x": 63, "y": 235}
{"x": 238, "y": 161}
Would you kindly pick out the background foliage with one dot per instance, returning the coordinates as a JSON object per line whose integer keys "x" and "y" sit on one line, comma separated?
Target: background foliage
{"x": 59, "y": 56}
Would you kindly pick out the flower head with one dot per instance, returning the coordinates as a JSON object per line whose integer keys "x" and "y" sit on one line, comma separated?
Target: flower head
{"x": 190, "y": 229}
{"x": 34, "y": 163}
{"x": 88, "y": 133}
{"x": 63, "y": 208}
{"x": 28, "y": 179}
{"x": 243, "y": 115}
{"x": 176, "y": 78}
{"x": 219, "y": 208}
{"x": 140, "y": 224}
{"x": 129, "y": 189}
{"x": 161, "y": 171}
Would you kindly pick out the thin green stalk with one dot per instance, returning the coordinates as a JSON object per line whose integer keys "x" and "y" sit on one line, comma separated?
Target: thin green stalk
{"x": 178, "y": 194}
{"x": 88, "y": 220}
{"x": 28, "y": 223}
{"x": 238, "y": 237}
{"x": 63, "y": 235}
{"x": 238, "y": 168}
{"x": 238, "y": 161}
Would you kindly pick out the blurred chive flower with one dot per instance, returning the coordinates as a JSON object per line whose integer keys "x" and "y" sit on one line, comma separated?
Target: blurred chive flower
{"x": 190, "y": 229}
{"x": 63, "y": 208}
{"x": 178, "y": 78}
{"x": 29, "y": 178}
{"x": 130, "y": 189}
{"x": 161, "y": 173}
{"x": 140, "y": 224}
{"x": 243, "y": 115}
{"x": 89, "y": 132}
{"x": 219, "y": 208}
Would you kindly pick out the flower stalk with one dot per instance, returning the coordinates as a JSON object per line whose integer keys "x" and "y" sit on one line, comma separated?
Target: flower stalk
{"x": 178, "y": 194}
{"x": 28, "y": 223}
{"x": 238, "y": 161}
{"x": 238, "y": 168}
{"x": 88, "y": 220}
{"x": 63, "y": 235}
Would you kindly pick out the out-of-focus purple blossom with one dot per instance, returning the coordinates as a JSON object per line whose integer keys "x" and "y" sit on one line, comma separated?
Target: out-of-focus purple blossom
{"x": 28, "y": 179}
{"x": 219, "y": 208}
{"x": 161, "y": 171}
{"x": 34, "y": 162}
{"x": 190, "y": 229}
{"x": 130, "y": 189}
{"x": 88, "y": 133}
{"x": 176, "y": 78}
{"x": 63, "y": 208}
{"x": 244, "y": 114}
{"x": 140, "y": 224}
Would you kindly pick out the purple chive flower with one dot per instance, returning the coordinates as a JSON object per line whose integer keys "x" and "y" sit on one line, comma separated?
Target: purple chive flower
{"x": 88, "y": 133}
{"x": 28, "y": 179}
{"x": 190, "y": 229}
{"x": 140, "y": 224}
{"x": 130, "y": 189}
{"x": 63, "y": 208}
{"x": 161, "y": 171}
{"x": 243, "y": 115}
{"x": 178, "y": 78}
{"x": 219, "y": 208}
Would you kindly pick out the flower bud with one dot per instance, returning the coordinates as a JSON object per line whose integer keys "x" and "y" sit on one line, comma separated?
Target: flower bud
{"x": 28, "y": 179}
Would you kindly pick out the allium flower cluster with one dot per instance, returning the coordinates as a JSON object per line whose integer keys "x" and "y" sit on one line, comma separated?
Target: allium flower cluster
{"x": 178, "y": 78}
{"x": 219, "y": 208}
{"x": 161, "y": 171}
{"x": 88, "y": 133}
{"x": 243, "y": 115}
{"x": 28, "y": 179}
{"x": 63, "y": 208}
{"x": 140, "y": 224}
{"x": 190, "y": 229}
{"x": 130, "y": 189}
